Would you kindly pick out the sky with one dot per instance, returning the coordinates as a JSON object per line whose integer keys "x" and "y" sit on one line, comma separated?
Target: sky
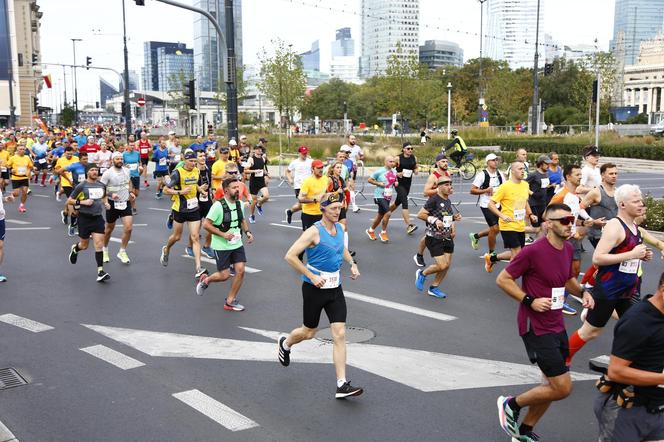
{"x": 299, "y": 22}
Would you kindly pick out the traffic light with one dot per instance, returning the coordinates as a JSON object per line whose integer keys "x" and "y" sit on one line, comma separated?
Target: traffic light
{"x": 548, "y": 69}
{"x": 594, "y": 91}
{"x": 35, "y": 59}
{"x": 140, "y": 2}
{"x": 35, "y": 103}
{"x": 96, "y": 105}
{"x": 88, "y": 62}
{"x": 190, "y": 93}
{"x": 137, "y": 111}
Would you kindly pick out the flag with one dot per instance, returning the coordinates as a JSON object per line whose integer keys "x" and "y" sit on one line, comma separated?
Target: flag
{"x": 47, "y": 81}
{"x": 41, "y": 124}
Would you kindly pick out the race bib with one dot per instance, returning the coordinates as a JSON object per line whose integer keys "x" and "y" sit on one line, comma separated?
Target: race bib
{"x": 447, "y": 221}
{"x": 258, "y": 173}
{"x": 237, "y": 236}
{"x": 630, "y": 266}
{"x": 81, "y": 177}
{"x": 42, "y": 161}
{"x": 557, "y": 298}
{"x": 3, "y": 169}
{"x": 203, "y": 197}
{"x": 387, "y": 192}
{"x": 519, "y": 214}
{"x": 332, "y": 279}
{"x": 133, "y": 166}
{"x": 144, "y": 151}
{"x": 162, "y": 161}
{"x": 120, "y": 205}
{"x": 192, "y": 203}
{"x": 96, "y": 193}
{"x": 244, "y": 164}
{"x": 545, "y": 183}
{"x": 22, "y": 171}
{"x": 176, "y": 158}
{"x": 407, "y": 173}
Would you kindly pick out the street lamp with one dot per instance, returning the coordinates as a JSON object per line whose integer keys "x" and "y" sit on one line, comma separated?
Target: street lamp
{"x": 449, "y": 108}
{"x": 535, "y": 113}
{"x": 481, "y": 100}
{"x": 73, "y": 42}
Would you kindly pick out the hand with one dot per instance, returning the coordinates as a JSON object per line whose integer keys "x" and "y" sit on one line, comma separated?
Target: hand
{"x": 588, "y": 301}
{"x": 132, "y": 196}
{"x": 185, "y": 191}
{"x": 533, "y": 218}
{"x": 204, "y": 187}
{"x": 317, "y": 281}
{"x": 354, "y": 271}
{"x": 115, "y": 196}
{"x": 457, "y": 217}
{"x": 640, "y": 251}
{"x": 588, "y": 222}
{"x": 600, "y": 222}
{"x": 87, "y": 202}
{"x": 250, "y": 237}
{"x": 400, "y": 174}
{"x": 9, "y": 198}
{"x": 227, "y": 235}
{"x": 439, "y": 224}
{"x": 107, "y": 205}
{"x": 649, "y": 255}
{"x": 506, "y": 218}
{"x": 489, "y": 191}
{"x": 541, "y": 305}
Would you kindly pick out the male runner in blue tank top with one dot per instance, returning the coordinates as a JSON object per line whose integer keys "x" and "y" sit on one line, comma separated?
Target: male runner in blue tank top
{"x": 321, "y": 288}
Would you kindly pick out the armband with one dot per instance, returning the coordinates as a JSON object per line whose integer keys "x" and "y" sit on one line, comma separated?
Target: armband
{"x": 432, "y": 219}
{"x": 527, "y": 300}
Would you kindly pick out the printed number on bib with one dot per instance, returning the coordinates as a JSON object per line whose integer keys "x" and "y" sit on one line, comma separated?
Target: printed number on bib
{"x": 545, "y": 183}
{"x": 42, "y": 161}
{"x": 332, "y": 279}
{"x": 162, "y": 161}
{"x": 192, "y": 203}
{"x": 557, "y": 298}
{"x": 21, "y": 171}
{"x": 144, "y": 151}
{"x": 258, "y": 173}
{"x": 81, "y": 177}
{"x": 133, "y": 166}
{"x": 96, "y": 193}
{"x": 407, "y": 173}
{"x": 519, "y": 215}
{"x": 236, "y": 238}
{"x": 120, "y": 205}
{"x": 630, "y": 266}
{"x": 447, "y": 221}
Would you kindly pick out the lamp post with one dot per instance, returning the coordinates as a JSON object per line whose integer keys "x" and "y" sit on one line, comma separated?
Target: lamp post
{"x": 73, "y": 42}
{"x": 127, "y": 108}
{"x": 535, "y": 116}
{"x": 481, "y": 86}
{"x": 449, "y": 108}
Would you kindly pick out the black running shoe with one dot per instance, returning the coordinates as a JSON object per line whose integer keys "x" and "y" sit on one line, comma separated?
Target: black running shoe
{"x": 64, "y": 217}
{"x": 347, "y": 390}
{"x": 73, "y": 255}
{"x": 419, "y": 260}
{"x": 289, "y": 215}
{"x": 103, "y": 276}
{"x": 284, "y": 355}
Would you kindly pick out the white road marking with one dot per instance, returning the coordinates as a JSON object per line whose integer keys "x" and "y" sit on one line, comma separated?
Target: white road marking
{"x": 118, "y": 240}
{"x": 215, "y": 410}
{"x": 24, "y": 323}
{"x": 247, "y": 269}
{"x": 293, "y": 221}
{"x": 159, "y": 209}
{"x": 112, "y": 357}
{"x": 140, "y": 225}
{"x": 28, "y": 228}
{"x": 397, "y": 306}
{"x": 418, "y": 369}
{"x": 15, "y": 221}
{"x": 6, "y": 435}
{"x": 40, "y": 196}
{"x": 288, "y": 226}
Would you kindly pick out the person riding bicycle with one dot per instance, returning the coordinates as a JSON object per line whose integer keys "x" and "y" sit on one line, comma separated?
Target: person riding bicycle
{"x": 458, "y": 147}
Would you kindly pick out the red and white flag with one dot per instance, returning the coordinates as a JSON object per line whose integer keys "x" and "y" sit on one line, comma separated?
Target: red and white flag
{"x": 47, "y": 81}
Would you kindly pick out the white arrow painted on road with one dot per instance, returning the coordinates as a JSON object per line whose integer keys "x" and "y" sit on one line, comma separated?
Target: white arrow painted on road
{"x": 419, "y": 369}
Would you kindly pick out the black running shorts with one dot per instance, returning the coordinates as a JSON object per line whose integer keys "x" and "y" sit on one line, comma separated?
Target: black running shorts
{"x": 225, "y": 258}
{"x": 548, "y": 351}
{"x": 87, "y": 225}
{"x": 183, "y": 217}
{"x": 316, "y": 300}
{"x": 17, "y": 184}
{"x": 113, "y": 214}
{"x": 490, "y": 218}
{"x": 513, "y": 240}
{"x": 601, "y": 313}
{"x": 438, "y": 247}
{"x": 383, "y": 205}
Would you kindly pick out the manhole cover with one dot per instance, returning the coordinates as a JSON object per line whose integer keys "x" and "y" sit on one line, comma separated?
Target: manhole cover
{"x": 9, "y": 378}
{"x": 353, "y": 334}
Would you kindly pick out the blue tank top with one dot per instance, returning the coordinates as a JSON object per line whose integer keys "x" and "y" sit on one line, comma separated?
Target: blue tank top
{"x": 328, "y": 254}
{"x": 556, "y": 177}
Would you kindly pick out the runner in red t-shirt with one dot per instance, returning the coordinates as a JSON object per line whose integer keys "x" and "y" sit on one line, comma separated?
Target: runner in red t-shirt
{"x": 144, "y": 148}
{"x": 91, "y": 148}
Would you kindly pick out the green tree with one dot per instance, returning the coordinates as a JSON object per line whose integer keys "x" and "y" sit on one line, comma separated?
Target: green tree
{"x": 67, "y": 115}
{"x": 282, "y": 78}
{"x": 327, "y": 100}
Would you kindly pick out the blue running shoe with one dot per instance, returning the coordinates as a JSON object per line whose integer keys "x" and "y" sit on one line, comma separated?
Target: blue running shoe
{"x": 568, "y": 310}
{"x": 259, "y": 209}
{"x": 419, "y": 280}
{"x": 169, "y": 223}
{"x": 436, "y": 293}
{"x": 207, "y": 251}
{"x": 252, "y": 219}
{"x": 189, "y": 251}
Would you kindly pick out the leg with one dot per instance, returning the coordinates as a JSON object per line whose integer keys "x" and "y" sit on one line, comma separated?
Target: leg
{"x": 175, "y": 236}
{"x": 237, "y": 281}
{"x": 558, "y": 388}
{"x": 493, "y": 233}
{"x": 194, "y": 230}
{"x": 265, "y": 195}
{"x": 376, "y": 221}
{"x": 83, "y": 244}
{"x": 2, "y": 251}
{"x": 254, "y": 201}
{"x": 108, "y": 230}
{"x": 443, "y": 262}
{"x": 128, "y": 225}
{"x": 421, "y": 246}
{"x": 338, "y": 330}
{"x": 406, "y": 216}
{"x": 385, "y": 221}
{"x": 300, "y": 334}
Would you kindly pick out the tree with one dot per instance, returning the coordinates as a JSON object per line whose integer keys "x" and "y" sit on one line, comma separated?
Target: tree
{"x": 282, "y": 78}
{"x": 327, "y": 100}
{"x": 67, "y": 115}
{"x": 177, "y": 83}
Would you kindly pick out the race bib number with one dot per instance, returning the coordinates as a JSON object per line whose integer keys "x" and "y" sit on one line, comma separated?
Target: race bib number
{"x": 162, "y": 161}
{"x": 42, "y": 161}
{"x": 81, "y": 177}
{"x": 176, "y": 158}
{"x": 447, "y": 221}
{"x": 557, "y": 298}
{"x": 96, "y": 193}
{"x": 192, "y": 203}
{"x": 144, "y": 151}
{"x": 332, "y": 279}
{"x": 545, "y": 183}
{"x": 133, "y": 166}
{"x": 407, "y": 173}
{"x": 237, "y": 236}
{"x": 22, "y": 171}
{"x": 120, "y": 205}
{"x": 519, "y": 215}
{"x": 387, "y": 193}
{"x": 258, "y": 173}
{"x": 630, "y": 266}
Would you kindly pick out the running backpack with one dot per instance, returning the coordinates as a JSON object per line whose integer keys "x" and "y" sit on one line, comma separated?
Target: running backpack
{"x": 487, "y": 181}
{"x": 226, "y": 221}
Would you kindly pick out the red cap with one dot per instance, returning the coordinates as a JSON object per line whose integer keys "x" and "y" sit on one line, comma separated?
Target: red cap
{"x": 303, "y": 149}
{"x": 317, "y": 164}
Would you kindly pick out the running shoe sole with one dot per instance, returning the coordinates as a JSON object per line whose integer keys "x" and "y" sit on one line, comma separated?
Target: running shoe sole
{"x": 200, "y": 273}
{"x": 201, "y": 286}
{"x": 124, "y": 260}
{"x": 357, "y": 392}
{"x": 474, "y": 242}
{"x": 411, "y": 229}
{"x": 371, "y": 235}
{"x": 233, "y": 308}
{"x": 488, "y": 264}
{"x": 73, "y": 255}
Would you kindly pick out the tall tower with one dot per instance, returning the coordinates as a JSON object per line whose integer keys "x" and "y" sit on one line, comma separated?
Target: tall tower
{"x": 206, "y": 40}
{"x": 386, "y": 24}
{"x": 639, "y": 20}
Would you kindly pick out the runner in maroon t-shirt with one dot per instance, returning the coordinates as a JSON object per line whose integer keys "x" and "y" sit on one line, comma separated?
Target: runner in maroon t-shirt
{"x": 144, "y": 148}
{"x": 545, "y": 269}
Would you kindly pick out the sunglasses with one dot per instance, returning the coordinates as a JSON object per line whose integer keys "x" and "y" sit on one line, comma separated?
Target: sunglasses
{"x": 407, "y": 148}
{"x": 445, "y": 183}
{"x": 565, "y": 220}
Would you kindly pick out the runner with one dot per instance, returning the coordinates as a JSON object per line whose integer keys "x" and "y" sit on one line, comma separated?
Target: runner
{"x": 21, "y": 168}
{"x": 89, "y": 147}
{"x": 119, "y": 192}
{"x": 356, "y": 155}
{"x": 512, "y": 196}
{"x": 430, "y": 189}
{"x": 67, "y": 185}
{"x": 590, "y": 174}
{"x": 39, "y": 152}
{"x": 521, "y": 156}
{"x": 160, "y": 158}
{"x": 144, "y": 149}
{"x": 174, "y": 155}
{"x": 132, "y": 160}
{"x": 385, "y": 180}
{"x": 204, "y": 202}
{"x": 256, "y": 169}
{"x": 219, "y": 168}
{"x": 7, "y": 199}
{"x": 440, "y": 232}
{"x": 103, "y": 157}
{"x": 545, "y": 269}
{"x": 298, "y": 170}
{"x": 4, "y": 172}
{"x": 225, "y": 222}
{"x": 538, "y": 183}
{"x": 406, "y": 168}
{"x": 484, "y": 186}
{"x": 555, "y": 175}
{"x": 183, "y": 186}
{"x": 618, "y": 257}
{"x": 210, "y": 149}
{"x": 88, "y": 198}
{"x": 321, "y": 289}
{"x": 600, "y": 201}
{"x": 312, "y": 190}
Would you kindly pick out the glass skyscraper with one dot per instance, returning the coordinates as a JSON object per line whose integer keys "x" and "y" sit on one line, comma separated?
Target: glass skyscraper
{"x": 638, "y": 20}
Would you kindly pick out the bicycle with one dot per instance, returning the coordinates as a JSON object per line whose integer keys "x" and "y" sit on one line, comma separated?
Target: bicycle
{"x": 466, "y": 167}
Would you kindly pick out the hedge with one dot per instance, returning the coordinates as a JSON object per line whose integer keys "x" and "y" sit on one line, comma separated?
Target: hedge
{"x": 654, "y": 214}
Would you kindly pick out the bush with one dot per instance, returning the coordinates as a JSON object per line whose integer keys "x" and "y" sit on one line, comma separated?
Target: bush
{"x": 654, "y": 214}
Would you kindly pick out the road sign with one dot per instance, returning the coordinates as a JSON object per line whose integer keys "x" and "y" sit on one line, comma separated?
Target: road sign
{"x": 141, "y": 101}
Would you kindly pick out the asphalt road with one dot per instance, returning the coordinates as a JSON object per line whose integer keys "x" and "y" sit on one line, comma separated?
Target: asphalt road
{"x": 432, "y": 372}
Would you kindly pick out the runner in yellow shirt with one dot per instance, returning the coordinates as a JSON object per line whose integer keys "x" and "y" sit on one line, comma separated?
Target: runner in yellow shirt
{"x": 4, "y": 172}
{"x": 66, "y": 183}
{"x": 21, "y": 168}
{"x": 219, "y": 168}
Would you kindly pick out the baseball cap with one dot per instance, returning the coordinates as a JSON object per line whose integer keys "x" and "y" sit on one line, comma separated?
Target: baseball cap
{"x": 590, "y": 150}
{"x": 172, "y": 132}
{"x": 346, "y": 148}
{"x": 303, "y": 149}
{"x": 491, "y": 156}
{"x": 317, "y": 164}
{"x": 543, "y": 159}
{"x": 189, "y": 154}
{"x": 232, "y": 143}
{"x": 441, "y": 156}
{"x": 224, "y": 150}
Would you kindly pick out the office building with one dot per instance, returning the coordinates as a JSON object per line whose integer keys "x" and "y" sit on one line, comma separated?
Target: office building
{"x": 638, "y": 20}
{"x": 106, "y": 92}
{"x": 174, "y": 68}
{"x": 206, "y": 65}
{"x": 511, "y": 31}
{"x": 311, "y": 58}
{"x": 343, "y": 45}
{"x": 389, "y": 28}
{"x": 438, "y": 53}
{"x": 178, "y": 57}
{"x": 133, "y": 81}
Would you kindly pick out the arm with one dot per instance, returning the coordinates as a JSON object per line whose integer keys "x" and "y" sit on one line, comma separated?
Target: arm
{"x": 376, "y": 183}
{"x": 611, "y": 236}
{"x": 210, "y": 228}
{"x": 621, "y": 372}
{"x": 592, "y": 198}
{"x": 354, "y": 271}
{"x": 572, "y": 285}
{"x": 508, "y": 284}
{"x": 308, "y": 238}
{"x": 649, "y": 239}
{"x": 430, "y": 186}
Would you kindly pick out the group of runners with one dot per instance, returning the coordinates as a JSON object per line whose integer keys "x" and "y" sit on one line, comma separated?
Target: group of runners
{"x": 542, "y": 214}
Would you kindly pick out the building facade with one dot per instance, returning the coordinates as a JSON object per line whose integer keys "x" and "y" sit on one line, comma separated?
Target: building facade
{"x": 106, "y": 92}
{"x": 343, "y": 45}
{"x": 152, "y": 77}
{"x": 511, "y": 31}
{"x": 643, "y": 82}
{"x": 311, "y": 58}
{"x": 174, "y": 67}
{"x": 133, "y": 81}
{"x": 638, "y": 20}
{"x": 439, "y": 53}
{"x": 206, "y": 65}
{"x": 389, "y": 28}
{"x": 20, "y": 56}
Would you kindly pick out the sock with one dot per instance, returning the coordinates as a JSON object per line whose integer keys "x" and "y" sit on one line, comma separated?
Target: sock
{"x": 105, "y": 249}
{"x": 371, "y": 230}
{"x": 525, "y": 429}
{"x": 513, "y": 405}
{"x": 77, "y": 248}
{"x": 346, "y": 239}
{"x": 122, "y": 250}
{"x": 492, "y": 252}
{"x": 352, "y": 199}
{"x": 99, "y": 257}
{"x": 100, "y": 269}
{"x": 575, "y": 344}
{"x": 476, "y": 236}
{"x": 340, "y": 382}
{"x": 419, "y": 254}
{"x": 494, "y": 258}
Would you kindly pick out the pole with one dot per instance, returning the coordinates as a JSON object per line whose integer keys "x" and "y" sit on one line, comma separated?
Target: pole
{"x": 481, "y": 99}
{"x": 127, "y": 108}
{"x": 449, "y": 108}
{"x": 231, "y": 77}
{"x": 12, "y": 108}
{"x": 73, "y": 43}
{"x": 64, "y": 74}
{"x": 599, "y": 79}
{"x": 535, "y": 116}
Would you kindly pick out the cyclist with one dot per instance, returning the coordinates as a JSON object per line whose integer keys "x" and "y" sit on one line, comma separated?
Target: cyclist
{"x": 458, "y": 147}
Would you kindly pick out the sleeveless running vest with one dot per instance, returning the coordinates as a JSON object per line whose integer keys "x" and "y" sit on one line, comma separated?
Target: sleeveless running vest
{"x": 408, "y": 163}
{"x": 607, "y": 208}
{"x": 327, "y": 255}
